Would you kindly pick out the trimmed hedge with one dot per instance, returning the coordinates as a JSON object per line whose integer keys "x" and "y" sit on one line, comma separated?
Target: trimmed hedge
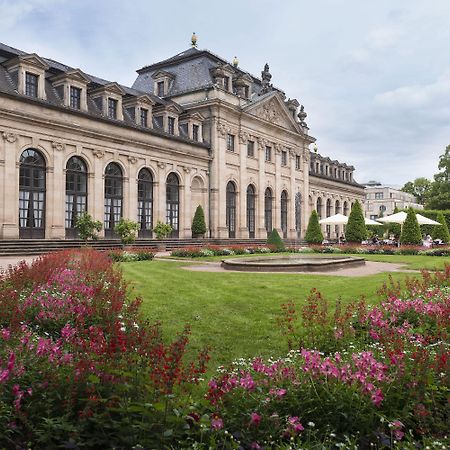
{"x": 411, "y": 231}
{"x": 274, "y": 240}
{"x": 314, "y": 233}
{"x": 356, "y": 230}
{"x": 198, "y": 222}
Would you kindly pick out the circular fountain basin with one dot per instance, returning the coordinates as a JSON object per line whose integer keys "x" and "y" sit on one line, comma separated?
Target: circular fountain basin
{"x": 292, "y": 263}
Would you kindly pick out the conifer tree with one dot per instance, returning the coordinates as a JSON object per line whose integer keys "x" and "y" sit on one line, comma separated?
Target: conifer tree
{"x": 314, "y": 233}
{"x": 411, "y": 230}
{"x": 356, "y": 230}
{"x": 275, "y": 240}
{"x": 441, "y": 231}
{"x": 198, "y": 222}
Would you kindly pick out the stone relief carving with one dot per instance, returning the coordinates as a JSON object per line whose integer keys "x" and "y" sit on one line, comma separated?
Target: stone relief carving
{"x": 161, "y": 164}
{"x": 186, "y": 169}
{"x": 222, "y": 129}
{"x": 9, "y": 137}
{"x": 261, "y": 143}
{"x": 98, "y": 153}
{"x": 132, "y": 159}
{"x": 243, "y": 137}
{"x": 278, "y": 148}
{"x": 58, "y": 146}
{"x": 271, "y": 112}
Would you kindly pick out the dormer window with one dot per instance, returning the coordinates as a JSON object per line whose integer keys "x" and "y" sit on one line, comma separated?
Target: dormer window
{"x": 160, "y": 89}
{"x": 112, "y": 108}
{"x": 144, "y": 117}
{"x": 195, "y": 129}
{"x": 171, "y": 125}
{"x": 75, "y": 97}
{"x": 31, "y": 84}
{"x": 226, "y": 83}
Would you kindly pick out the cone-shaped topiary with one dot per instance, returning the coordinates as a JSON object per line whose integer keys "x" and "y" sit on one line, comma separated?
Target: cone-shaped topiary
{"x": 356, "y": 230}
{"x": 198, "y": 222}
{"x": 313, "y": 232}
{"x": 395, "y": 228}
{"x": 274, "y": 240}
{"x": 411, "y": 231}
{"x": 441, "y": 231}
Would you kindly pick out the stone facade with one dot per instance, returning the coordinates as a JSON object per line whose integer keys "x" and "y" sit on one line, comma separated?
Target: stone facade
{"x": 193, "y": 130}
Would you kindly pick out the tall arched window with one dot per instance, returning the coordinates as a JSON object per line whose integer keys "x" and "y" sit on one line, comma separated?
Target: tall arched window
{"x": 251, "y": 209}
{"x": 284, "y": 213}
{"x": 76, "y": 193}
{"x": 337, "y": 210}
{"x": 231, "y": 209}
{"x": 113, "y": 197}
{"x": 298, "y": 213}
{"x": 328, "y": 214}
{"x": 32, "y": 195}
{"x": 145, "y": 203}
{"x": 268, "y": 199}
{"x": 319, "y": 207}
{"x": 345, "y": 209}
{"x": 173, "y": 203}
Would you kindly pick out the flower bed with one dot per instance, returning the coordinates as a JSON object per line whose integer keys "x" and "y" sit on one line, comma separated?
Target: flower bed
{"x": 132, "y": 254}
{"x": 357, "y": 377}
{"x": 78, "y": 366}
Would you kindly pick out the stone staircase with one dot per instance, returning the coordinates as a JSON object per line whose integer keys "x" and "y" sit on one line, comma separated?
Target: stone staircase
{"x": 25, "y": 247}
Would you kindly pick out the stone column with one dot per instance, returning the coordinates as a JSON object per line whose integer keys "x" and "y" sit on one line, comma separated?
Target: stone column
{"x": 96, "y": 193}
{"x": 55, "y": 193}
{"x": 306, "y": 211}
{"x": 131, "y": 199}
{"x": 277, "y": 190}
{"x": 159, "y": 202}
{"x": 9, "y": 185}
{"x": 292, "y": 233}
{"x": 260, "y": 230}
{"x": 219, "y": 184}
{"x": 187, "y": 208}
{"x": 242, "y": 232}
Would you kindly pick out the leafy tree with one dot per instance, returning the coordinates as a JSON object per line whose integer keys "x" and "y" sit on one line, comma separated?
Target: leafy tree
{"x": 87, "y": 227}
{"x": 420, "y": 188}
{"x": 198, "y": 222}
{"x": 162, "y": 230}
{"x": 274, "y": 240}
{"x": 441, "y": 231}
{"x": 313, "y": 232}
{"x": 439, "y": 197}
{"x": 356, "y": 230}
{"x": 127, "y": 230}
{"x": 411, "y": 230}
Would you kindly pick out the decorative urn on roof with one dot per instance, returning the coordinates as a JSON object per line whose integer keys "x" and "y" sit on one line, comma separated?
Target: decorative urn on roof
{"x": 266, "y": 77}
{"x": 194, "y": 40}
{"x": 235, "y": 61}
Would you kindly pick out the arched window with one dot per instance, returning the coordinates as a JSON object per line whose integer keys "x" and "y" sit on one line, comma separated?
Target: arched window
{"x": 319, "y": 207}
{"x": 173, "y": 203}
{"x": 268, "y": 210}
{"x": 284, "y": 213}
{"x": 145, "y": 203}
{"x": 113, "y": 198}
{"x": 345, "y": 209}
{"x": 328, "y": 214}
{"x": 337, "y": 210}
{"x": 231, "y": 209}
{"x": 32, "y": 195}
{"x": 298, "y": 213}
{"x": 76, "y": 193}
{"x": 251, "y": 209}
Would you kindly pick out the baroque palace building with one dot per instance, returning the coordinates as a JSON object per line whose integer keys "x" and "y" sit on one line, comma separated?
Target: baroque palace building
{"x": 192, "y": 130}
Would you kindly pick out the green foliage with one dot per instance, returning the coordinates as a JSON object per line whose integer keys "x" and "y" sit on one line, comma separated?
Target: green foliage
{"x": 314, "y": 233}
{"x": 441, "y": 231}
{"x": 127, "y": 230}
{"x": 395, "y": 228}
{"x": 274, "y": 240}
{"x": 134, "y": 254}
{"x": 87, "y": 227}
{"x": 356, "y": 230}
{"x": 198, "y": 222}
{"x": 162, "y": 230}
{"x": 420, "y": 188}
{"x": 439, "y": 195}
{"x": 411, "y": 231}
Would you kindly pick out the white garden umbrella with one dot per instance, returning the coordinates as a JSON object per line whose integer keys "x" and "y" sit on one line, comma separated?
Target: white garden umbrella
{"x": 337, "y": 219}
{"x": 340, "y": 219}
{"x": 400, "y": 217}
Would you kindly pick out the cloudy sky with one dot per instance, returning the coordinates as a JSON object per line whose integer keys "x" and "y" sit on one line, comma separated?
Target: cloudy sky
{"x": 374, "y": 76}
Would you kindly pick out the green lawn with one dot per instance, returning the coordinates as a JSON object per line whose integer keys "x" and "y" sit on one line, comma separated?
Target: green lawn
{"x": 235, "y": 313}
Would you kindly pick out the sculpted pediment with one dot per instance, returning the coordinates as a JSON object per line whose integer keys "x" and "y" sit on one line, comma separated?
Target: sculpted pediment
{"x": 273, "y": 110}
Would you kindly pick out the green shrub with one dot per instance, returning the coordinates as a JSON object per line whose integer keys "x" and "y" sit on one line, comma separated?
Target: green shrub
{"x": 441, "y": 231}
{"x": 314, "y": 233}
{"x": 274, "y": 240}
{"x": 198, "y": 222}
{"x": 395, "y": 228}
{"x": 87, "y": 227}
{"x": 127, "y": 230}
{"x": 356, "y": 230}
{"x": 162, "y": 230}
{"x": 411, "y": 231}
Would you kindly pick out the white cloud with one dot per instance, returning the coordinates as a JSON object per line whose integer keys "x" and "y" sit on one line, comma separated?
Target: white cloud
{"x": 14, "y": 12}
{"x": 384, "y": 37}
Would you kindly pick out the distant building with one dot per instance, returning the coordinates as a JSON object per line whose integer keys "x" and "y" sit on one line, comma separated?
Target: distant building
{"x": 382, "y": 200}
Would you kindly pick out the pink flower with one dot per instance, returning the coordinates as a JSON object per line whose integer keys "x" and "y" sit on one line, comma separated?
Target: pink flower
{"x": 255, "y": 418}
{"x": 255, "y": 446}
{"x": 216, "y": 423}
{"x": 295, "y": 425}
{"x": 281, "y": 392}
{"x": 5, "y": 333}
{"x": 377, "y": 397}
